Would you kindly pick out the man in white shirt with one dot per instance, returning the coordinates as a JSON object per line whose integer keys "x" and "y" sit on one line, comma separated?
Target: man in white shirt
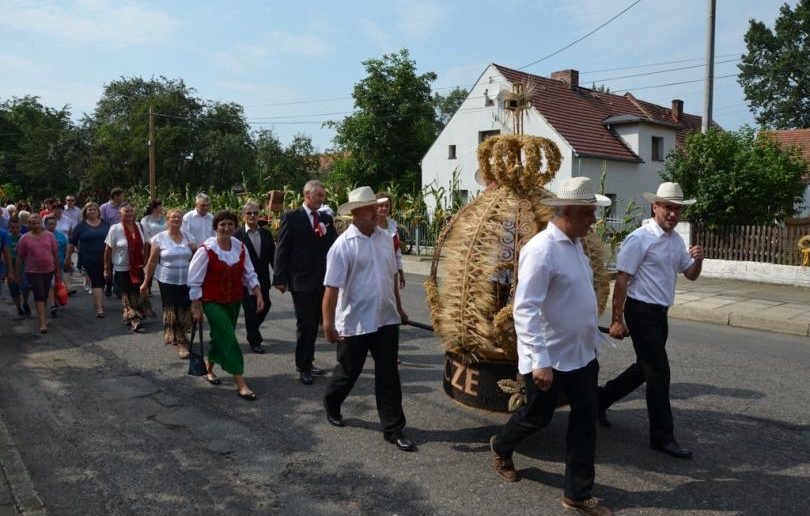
{"x": 648, "y": 263}
{"x": 555, "y": 315}
{"x": 199, "y": 223}
{"x": 362, "y": 313}
{"x": 71, "y": 212}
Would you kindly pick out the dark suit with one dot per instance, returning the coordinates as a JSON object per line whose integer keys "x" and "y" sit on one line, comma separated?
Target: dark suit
{"x": 262, "y": 263}
{"x": 301, "y": 265}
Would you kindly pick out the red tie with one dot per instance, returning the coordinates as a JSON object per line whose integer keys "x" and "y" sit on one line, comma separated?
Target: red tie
{"x": 316, "y": 223}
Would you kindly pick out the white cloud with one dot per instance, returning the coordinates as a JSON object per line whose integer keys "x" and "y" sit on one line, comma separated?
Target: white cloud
{"x": 118, "y": 24}
{"x": 14, "y": 64}
{"x": 419, "y": 19}
{"x": 273, "y": 44}
{"x": 379, "y": 36}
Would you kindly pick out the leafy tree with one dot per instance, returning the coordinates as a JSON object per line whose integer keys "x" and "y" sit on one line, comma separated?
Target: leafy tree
{"x": 34, "y": 147}
{"x": 278, "y": 167}
{"x": 775, "y": 72}
{"x": 394, "y": 125}
{"x": 736, "y": 177}
{"x": 447, "y": 105}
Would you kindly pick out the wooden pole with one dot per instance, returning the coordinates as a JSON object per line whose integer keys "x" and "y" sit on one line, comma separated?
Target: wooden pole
{"x": 152, "y": 193}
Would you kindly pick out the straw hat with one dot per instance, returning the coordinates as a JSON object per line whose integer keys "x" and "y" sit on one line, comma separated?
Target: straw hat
{"x": 670, "y": 193}
{"x": 577, "y": 191}
{"x": 360, "y": 198}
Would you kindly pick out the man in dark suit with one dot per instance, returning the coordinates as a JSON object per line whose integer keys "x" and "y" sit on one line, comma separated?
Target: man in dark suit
{"x": 261, "y": 249}
{"x": 300, "y": 266}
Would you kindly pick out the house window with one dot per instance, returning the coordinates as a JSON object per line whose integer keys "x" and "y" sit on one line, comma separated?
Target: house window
{"x": 451, "y": 152}
{"x": 657, "y": 148}
{"x": 483, "y": 135}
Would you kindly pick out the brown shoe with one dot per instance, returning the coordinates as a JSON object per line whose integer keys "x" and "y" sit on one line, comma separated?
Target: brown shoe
{"x": 182, "y": 351}
{"x": 503, "y": 465}
{"x": 589, "y": 506}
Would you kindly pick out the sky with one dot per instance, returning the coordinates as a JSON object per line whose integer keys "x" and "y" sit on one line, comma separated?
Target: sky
{"x": 293, "y": 65}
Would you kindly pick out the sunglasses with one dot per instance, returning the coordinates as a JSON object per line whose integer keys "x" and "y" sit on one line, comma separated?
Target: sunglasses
{"x": 251, "y": 213}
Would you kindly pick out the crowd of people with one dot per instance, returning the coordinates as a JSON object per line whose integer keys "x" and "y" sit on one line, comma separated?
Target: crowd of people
{"x": 212, "y": 266}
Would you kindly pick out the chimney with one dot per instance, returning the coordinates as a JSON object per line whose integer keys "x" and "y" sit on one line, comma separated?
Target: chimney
{"x": 570, "y": 77}
{"x": 677, "y": 110}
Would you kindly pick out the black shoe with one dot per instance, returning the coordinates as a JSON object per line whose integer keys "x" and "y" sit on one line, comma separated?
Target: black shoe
{"x": 672, "y": 449}
{"x": 258, "y": 349}
{"x": 305, "y": 378}
{"x": 334, "y": 418}
{"x": 317, "y": 371}
{"x": 601, "y": 416}
{"x": 400, "y": 441}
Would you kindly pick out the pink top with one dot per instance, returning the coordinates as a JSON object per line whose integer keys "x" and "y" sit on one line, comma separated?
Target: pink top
{"x": 37, "y": 252}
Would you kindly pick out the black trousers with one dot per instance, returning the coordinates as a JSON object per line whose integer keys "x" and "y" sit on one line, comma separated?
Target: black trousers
{"x": 254, "y": 319}
{"x": 351, "y": 357}
{"x": 307, "y": 318}
{"x": 579, "y": 386}
{"x": 649, "y": 330}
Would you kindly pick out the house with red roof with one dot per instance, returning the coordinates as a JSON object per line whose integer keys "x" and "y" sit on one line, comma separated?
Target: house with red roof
{"x": 629, "y": 136}
{"x": 800, "y": 139}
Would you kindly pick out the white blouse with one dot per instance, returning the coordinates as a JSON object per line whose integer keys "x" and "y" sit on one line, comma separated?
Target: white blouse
{"x": 117, "y": 241}
{"x": 198, "y": 267}
{"x": 174, "y": 258}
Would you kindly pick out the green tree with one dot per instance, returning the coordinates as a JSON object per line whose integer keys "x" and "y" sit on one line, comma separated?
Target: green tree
{"x": 775, "y": 72}
{"x": 394, "y": 125}
{"x": 736, "y": 177}
{"x": 447, "y": 105}
{"x": 278, "y": 167}
{"x": 34, "y": 147}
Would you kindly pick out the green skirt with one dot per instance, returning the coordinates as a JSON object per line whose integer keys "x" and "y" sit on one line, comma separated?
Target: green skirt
{"x": 223, "y": 348}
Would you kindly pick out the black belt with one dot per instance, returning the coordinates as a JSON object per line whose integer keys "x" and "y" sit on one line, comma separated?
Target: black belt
{"x": 651, "y": 306}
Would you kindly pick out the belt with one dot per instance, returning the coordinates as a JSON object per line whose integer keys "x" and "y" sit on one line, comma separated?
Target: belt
{"x": 651, "y": 306}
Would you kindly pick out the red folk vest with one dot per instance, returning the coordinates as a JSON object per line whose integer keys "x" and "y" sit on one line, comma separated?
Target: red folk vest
{"x": 223, "y": 283}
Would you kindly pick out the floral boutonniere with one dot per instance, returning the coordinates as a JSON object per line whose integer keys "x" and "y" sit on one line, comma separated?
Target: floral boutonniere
{"x": 321, "y": 229}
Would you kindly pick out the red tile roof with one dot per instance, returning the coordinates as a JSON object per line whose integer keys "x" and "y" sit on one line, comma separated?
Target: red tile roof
{"x": 577, "y": 114}
{"x": 793, "y": 137}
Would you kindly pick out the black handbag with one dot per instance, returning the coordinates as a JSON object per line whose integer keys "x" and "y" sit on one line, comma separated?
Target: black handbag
{"x": 196, "y": 361}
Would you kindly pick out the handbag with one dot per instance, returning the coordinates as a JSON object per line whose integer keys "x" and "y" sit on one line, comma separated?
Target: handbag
{"x": 196, "y": 361}
{"x": 60, "y": 291}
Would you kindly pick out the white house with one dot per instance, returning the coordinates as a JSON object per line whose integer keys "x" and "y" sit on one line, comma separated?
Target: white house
{"x": 629, "y": 136}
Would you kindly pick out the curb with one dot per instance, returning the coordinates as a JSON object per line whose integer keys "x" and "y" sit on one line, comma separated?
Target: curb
{"x": 15, "y": 477}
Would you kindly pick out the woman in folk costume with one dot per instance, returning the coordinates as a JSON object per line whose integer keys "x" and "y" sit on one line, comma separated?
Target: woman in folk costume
{"x": 125, "y": 250}
{"x": 218, "y": 270}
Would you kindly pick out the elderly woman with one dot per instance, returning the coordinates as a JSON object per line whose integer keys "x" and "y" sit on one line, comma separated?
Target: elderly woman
{"x": 218, "y": 270}
{"x": 37, "y": 249}
{"x": 124, "y": 249}
{"x": 88, "y": 237}
{"x": 170, "y": 254}
{"x": 390, "y": 226}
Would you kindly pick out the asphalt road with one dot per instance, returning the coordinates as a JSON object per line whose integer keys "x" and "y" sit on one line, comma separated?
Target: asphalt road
{"x": 109, "y": 423}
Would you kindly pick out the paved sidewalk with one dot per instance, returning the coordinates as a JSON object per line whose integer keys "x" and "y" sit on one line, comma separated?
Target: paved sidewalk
{"x": 745, "y": 304}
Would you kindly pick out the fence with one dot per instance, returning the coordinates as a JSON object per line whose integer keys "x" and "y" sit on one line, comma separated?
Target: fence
{"x": 418, "y": 237}
{"x": 764, "y": 244}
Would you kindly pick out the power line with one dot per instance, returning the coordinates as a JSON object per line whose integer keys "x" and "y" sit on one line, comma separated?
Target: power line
{"x": 676, "y": 83}
{"x": 656, "y": 64}
{"x": 661, "y": 71}
{"x": 580, "y": 39}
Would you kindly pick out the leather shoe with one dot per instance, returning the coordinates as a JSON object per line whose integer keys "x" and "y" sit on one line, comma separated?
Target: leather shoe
{"x": 257, "y": 348}
{"x": 317, "y": 371}
{"x": 400, "y": 441}
{"x": 504, "y": 466}
{"x": 334, "y": 418}
{"x": 305, "y": 378}
{"x": 589, "y": 506}
{"x": 672, "y": 449}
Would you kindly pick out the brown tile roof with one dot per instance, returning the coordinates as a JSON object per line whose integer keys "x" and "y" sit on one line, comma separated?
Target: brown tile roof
{"x": 578, "y": 114}
{"x": 792, "y": 137}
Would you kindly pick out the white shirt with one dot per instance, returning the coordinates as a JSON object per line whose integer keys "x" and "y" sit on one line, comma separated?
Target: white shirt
{"x": 555, "y": 305}
{"x": 362, "y": 268}
{"x": 117, "y": 241}
{"x": 198, "y": 267}
{"x": 653, "y": 258}
{"x": 74, "y": 214}
{"x": 172, "y": 268}
{"x": 198, "y": 227}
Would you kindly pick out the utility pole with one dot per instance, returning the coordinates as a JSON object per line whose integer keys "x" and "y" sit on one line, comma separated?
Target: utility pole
{"x": 152, "y": 195}
{"x": 708, "y": 85}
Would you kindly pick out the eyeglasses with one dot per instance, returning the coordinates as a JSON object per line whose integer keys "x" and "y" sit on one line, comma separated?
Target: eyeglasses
{"x": 251, "y": 213}
{"x": 70, "y": 200}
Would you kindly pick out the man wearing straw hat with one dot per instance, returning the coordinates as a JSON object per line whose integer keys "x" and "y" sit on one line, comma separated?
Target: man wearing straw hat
{"x": 362, "y": 313}
{"x": 648, "y": 263}
{"x": 555, "y": 314}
